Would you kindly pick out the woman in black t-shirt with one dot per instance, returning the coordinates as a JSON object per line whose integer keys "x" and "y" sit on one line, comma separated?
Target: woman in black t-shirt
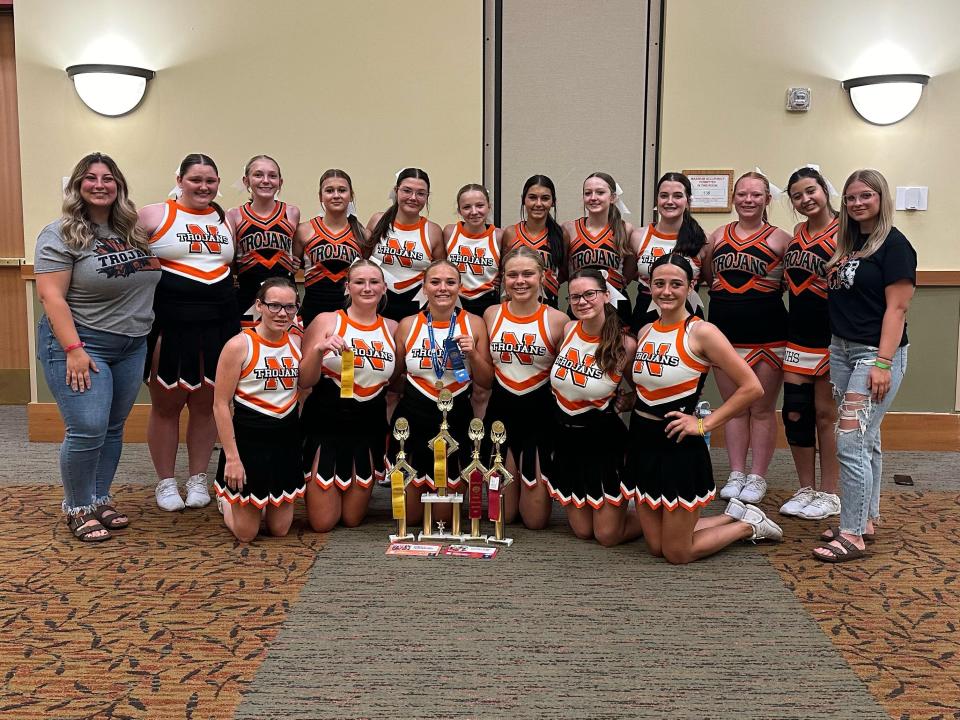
{"x": 871, "y": 279}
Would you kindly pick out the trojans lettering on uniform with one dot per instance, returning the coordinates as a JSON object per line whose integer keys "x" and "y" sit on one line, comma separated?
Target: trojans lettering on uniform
{"x": 202, "y": 238}
{"x": 392, "y": 252}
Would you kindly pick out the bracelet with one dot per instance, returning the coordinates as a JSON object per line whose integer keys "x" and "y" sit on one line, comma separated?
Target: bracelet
{"x": 76, "y": 345}
{"x": 700, "y": 427}
{"x": 887, "y": 360}
{"x": 882, "y": 365}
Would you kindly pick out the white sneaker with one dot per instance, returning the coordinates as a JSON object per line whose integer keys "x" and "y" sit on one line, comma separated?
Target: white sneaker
{"x": 822, "y": 506}
{"x": 168, "y": 496}
{"x": 754, "y": 488}
{"x": 801, "y": 498}
{"x": 734, "y": 485}
{"x": 735, "y": 509}
{"x": 198, "y": 495}
{"x": 763, "y": 527}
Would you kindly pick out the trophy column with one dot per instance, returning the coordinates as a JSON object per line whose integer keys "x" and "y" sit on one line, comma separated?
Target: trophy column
{"x": 498, "y": 477}
{"x": 400, "y": 477}
{"x": 443, "y": 445}
{"x": 473, "y": 475}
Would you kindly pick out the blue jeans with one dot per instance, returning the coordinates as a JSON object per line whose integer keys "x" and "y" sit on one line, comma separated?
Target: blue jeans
{"x": 93, "y": 419}
{"x": 858, "y": 449}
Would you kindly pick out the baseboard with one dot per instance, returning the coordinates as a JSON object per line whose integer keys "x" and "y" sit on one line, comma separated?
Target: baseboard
{"x": 44, "y": 423}
{"x": 14, "y": 386}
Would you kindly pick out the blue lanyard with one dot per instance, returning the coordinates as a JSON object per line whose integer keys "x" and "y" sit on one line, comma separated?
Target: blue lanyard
{"x": 439, "y": 360}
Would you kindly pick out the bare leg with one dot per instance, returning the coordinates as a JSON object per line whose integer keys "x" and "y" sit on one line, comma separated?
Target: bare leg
{"x": 763, "y": 418}
{"x": 323, "y": 506}
{"x": 736, "y": 432}
{"x": 581, "y": 521}
{"x": 201, "y": 429}
{"x": 511, "y": 493}
{"x": 683, "y": 544}
{"x": 163, "y": 427}
{"x": 613, "y": 525}
{"x": 354, "y": 502}
{"x": 242, "y": 520}
{"x": 652, "y": 524}
{"x": 536, "y": 505}
{"x": 279, "y": 519}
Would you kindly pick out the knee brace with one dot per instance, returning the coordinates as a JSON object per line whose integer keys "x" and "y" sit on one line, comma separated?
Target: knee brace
{"x": 798, "y": 401}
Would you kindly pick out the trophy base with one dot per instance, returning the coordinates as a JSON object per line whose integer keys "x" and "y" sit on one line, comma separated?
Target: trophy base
{"x": 433, "y": 498}
{"x": 506, "y": 542}
{"x": 475, "y": 538}
{"x": 440, "y": 537}
{"x": 409, "y": 537}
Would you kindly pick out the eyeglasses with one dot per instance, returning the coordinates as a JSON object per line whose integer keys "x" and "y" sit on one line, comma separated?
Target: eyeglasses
{"x": 290, "y": 308}
{"x": 862, "y": 197}
{"x": 407, "y": 192}
{"x": 589, "y": 296}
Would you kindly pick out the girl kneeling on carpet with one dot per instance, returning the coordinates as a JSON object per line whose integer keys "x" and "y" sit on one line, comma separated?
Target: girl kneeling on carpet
{"x": 344, "y": 437}
{"x": 260, "y": 461}
{"x": 667, "y": 456}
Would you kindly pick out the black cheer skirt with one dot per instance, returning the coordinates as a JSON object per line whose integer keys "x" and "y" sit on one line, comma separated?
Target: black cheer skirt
{"x": 192, "y": 323}
{"x": 424, "y": 418}
{"x": 529, "y": 423}
{"x": 666, "y": 473}
{"x": 750, "y": 320}
{"x": 347, "y": 438}
{"x": 270, "y": 452}
{"x": 320, "y": 297}
{"x": 588, "y": 456}
{"x": 479, "y": 305}
{"x": 401, "y": 305}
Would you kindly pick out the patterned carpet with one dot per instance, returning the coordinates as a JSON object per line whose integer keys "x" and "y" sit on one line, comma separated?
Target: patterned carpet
{"x": 169, "y": 619}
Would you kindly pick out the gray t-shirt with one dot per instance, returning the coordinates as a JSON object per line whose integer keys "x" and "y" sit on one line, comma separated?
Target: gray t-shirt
{"x": 111, "y": 283}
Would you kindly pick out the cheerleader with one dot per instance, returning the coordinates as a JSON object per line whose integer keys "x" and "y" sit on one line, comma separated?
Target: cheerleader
{"x": 264, "y": 229}
{"x": 667, "y": 457}
{"x": 675, "y": 231}
{"x": 196, "y": 314}
{"x": 474, "y": 246}
{"x": 329, "y": 244}
{"x": 539, "y": 230}
{"x": 345, "y": 437}
{"x": 524, "y": 335}
{"x": 590, "y": 438}
{"x": 744, "y": 266}
{"x": 259, "y": 465}
{"x": 809, "y": 412}
{"x": 428, "y": 368}
{"x": 405, "y": 243}
{"x": 600, "y": 239}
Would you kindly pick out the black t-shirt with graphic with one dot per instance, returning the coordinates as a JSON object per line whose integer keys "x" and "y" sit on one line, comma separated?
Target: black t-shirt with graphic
{"x": 857, "y": 286}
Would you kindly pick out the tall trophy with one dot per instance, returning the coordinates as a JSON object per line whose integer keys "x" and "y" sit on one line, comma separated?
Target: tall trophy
{"x": 443, "y": 445}
{"x": 400, "y": 477}
{"x": 473, "y": 474}
{"x": 498, "y": 477}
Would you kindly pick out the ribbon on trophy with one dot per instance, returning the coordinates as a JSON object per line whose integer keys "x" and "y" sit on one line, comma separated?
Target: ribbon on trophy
{"x": 347, "y": 360}
{"x": 476, "y": 494}
{"x": 397, "y": 496}
{"x": 493, "y": 498}
{"x": 440, "y": 465}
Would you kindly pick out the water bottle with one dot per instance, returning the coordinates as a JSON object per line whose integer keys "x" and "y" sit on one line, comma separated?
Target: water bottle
{"x": 702, "y": 411}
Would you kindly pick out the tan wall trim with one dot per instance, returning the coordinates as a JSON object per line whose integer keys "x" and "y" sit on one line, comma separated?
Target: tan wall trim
{"x": 44, "y": 423}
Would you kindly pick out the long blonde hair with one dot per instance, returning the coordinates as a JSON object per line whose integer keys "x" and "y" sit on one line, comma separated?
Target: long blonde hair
{"x": 77, "y": 228}
{"x": 849, "y": 231}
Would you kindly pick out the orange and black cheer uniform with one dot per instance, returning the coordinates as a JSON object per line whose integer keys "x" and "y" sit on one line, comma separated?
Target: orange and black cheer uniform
{"x": 589, "y": 437}
{"x": 195, "y": 304}
{"x": 541, "y": 245}
{"x": 668, "y": 377}
{"x": 266, "y": 424}
{"x": 804, "y": 268}
{"x": 264, "y": 250}
{"x": 350, "y": 434}
{"x": 521, "y": 397}
{"x": 599, "y": 252}
{"x": 326, "y": 258}
{"x": 655, "y": 245}
{"x": 746, "y": 297}
{"x": 420, "y": 393}
{"x": 477, "y": 257}
{"x": 403, "y": 254}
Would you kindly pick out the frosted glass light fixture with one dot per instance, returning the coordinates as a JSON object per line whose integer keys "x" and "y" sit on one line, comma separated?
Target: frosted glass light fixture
{"x": 110, "y": 89}
{"x": 885, "y": 99}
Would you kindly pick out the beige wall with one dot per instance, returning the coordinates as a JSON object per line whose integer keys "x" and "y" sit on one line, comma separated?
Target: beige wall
{"x": 370, "y": 87}
{"x": 727, "y": 66}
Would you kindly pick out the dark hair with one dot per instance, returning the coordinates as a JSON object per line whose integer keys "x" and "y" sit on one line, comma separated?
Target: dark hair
{"x": 675, "y": 259}
{"x": 554, "y": 231}
{"x": 691, "y": 238}
{"x": 754, "y": 175}
{"x": 614, "y": 219}
{"x": 277, "y": 281}
{"x": 386, "y": 220}
{"x": 355, "y": 227}
{"x": 611, "y": 354}
{"x": 200, "y": 159}
{"x": 813, "y": 174}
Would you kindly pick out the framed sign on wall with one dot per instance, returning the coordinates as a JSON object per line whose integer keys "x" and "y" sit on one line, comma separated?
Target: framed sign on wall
{"x": 712, "y": 190}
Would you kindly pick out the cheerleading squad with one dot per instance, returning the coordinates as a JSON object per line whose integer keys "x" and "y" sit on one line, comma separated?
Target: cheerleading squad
{"x": 202, "y": 304}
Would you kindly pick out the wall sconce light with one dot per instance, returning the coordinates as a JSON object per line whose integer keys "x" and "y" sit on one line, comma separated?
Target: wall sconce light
{"x": 110, "y": 89}
{"x": 885, "y": 99}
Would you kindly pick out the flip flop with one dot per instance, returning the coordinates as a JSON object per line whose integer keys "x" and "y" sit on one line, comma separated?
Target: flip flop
{"x": 108, "y": 516}
{"x": 85, "y": 534}
{"x": 832, "y": 533}
{"x": 851, "y": 551}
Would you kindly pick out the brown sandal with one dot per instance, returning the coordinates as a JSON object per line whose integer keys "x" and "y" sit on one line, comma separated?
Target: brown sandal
{"x": 108, "y": 516}
{"x": 850, "y": 551}
{"x": 833, "y": 533}
{"x": 76, "y": 524}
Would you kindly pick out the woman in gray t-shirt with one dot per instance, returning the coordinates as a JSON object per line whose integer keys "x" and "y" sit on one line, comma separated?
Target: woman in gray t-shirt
{"x": 96, "y": 279}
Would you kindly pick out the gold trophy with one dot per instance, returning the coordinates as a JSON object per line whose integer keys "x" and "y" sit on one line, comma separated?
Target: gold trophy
{"x": 400, "y": 477}
{"x": 473, "y": 474}
{"x": 498, "y": 477}
{"x": 443, "y": 445}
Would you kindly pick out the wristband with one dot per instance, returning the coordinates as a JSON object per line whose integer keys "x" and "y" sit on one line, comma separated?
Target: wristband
{"x": 886, "y": 360}
{"x": 76, "y": 345}
{"x": 882, "y": 365}
{"x": 700, "y": 427}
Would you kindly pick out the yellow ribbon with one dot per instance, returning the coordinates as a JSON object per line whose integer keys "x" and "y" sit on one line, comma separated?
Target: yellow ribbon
{"x": 440, "y": 465}
{"x": 346, "y": 374}
{"x": 397, "y": 495}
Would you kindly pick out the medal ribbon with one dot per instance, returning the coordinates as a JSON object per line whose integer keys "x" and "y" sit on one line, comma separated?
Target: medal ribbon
{"x": 439, "y": 360}
{"x": 397, "y": 495}
{"x": 347, "y": 359}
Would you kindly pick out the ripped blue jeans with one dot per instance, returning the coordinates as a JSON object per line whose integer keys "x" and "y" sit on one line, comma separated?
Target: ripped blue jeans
{"x": 858, "y": 449}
